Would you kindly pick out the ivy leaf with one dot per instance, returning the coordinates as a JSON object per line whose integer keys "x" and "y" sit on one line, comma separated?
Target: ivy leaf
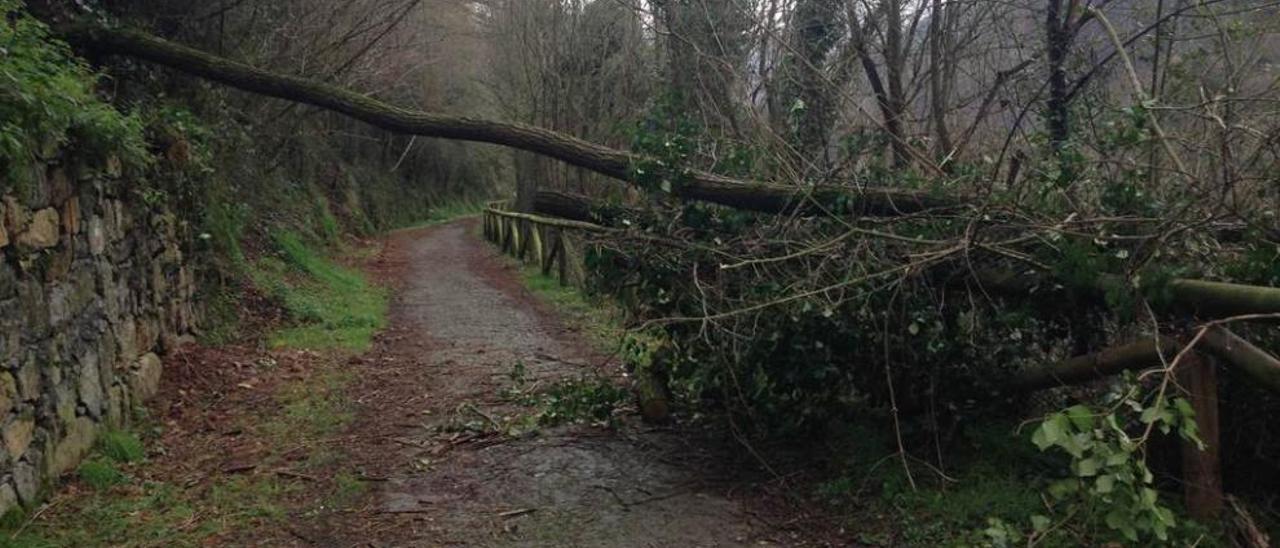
{"x": 1051, "y": 432}
{"x": 1077, "y": 444}
{"x": 1081, "y": 416}
{"x": 1062, "y": 489}
{"x": 1155, "y": 413}
{"x": 1040, "y": 523}
{"x": 1105, "y": 484}
{"x": 1121, "y": 521}
{"x": 1184, "y": 408}
{"x": 1086, "y": 468}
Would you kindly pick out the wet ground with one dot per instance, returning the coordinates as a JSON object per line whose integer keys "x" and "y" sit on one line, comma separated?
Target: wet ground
{"x": 433, "y": 436}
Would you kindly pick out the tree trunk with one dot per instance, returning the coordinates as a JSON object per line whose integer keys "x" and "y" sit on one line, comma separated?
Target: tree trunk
{"x": 939, "y": 81}
{"x": 894, "y": 65}
{"x": 1057, "y": 116}
{"x": 617, "y": 164}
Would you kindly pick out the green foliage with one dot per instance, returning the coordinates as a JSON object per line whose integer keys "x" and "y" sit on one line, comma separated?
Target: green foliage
{"x": 317, "y": 407}
{"x": 598, "y": 317}
{"x": 47, "y": 101}
{"x": 121, "y": 446}
{"x": 100, "y": 474}
{"x": 327, "y": 227}
{"x": 990, "y": 475}
{"x": 1109, "y": 475}
{"x": 330, "y": 306}
{"x": 145, "y": 512}
{"x": 455, "y": 209}
{"x": 1259, "y": 264}
{"x": 584, "y": 399}
{"x": 667, "y": 137}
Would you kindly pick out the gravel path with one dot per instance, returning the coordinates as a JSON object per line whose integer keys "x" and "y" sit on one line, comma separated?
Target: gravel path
{"x": 460, "y": 322}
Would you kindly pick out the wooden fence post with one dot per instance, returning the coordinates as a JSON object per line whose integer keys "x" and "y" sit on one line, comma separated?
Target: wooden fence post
{"x": 508, "y": 238}
{"x": 1202, "y": 470}
{"x": 535, "y": 238}
{"x": 564, "y": 261}
{"x": 516, "y": 237}
{"x": 553, "y": 247}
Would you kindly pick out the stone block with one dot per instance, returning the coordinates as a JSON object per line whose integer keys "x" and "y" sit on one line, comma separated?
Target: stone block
{"x": 8, "y": 280}
{"x": 145, "y": 381}
{"x": 10, "y": 344}
{"x": 59, "y": 185}
{"x": 148, "y": 333}
{"x": 8, "y": 498}
{"x": 117, "y": 405}
{"x": 28, "y": 378}
{"x": 71, "y": 216}
{"x": 74, "y": 445}
{"x": 8, "y": 393}
{"x": 56, "y": 263}
{"x": 97, "y": 233}
{"x": 34, "y": 307}
{"x": 113, "y": 214}
{"x": 90, "y": 384}
{"x": 70, "y": 300}
{"x": 18, "y": 434}
{"x": 59, "y": 304}
{"x": 65, "y": 402}
{"x": 26, "y": 480}
{"x": 15, "y": 215}
{"x": 126, "y": 334}
{"x": 42, "y": 231}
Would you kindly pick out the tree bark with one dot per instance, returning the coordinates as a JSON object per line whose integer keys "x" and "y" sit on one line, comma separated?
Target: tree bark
{"x": 1057, "y": 113}
{"x": 893, "y": 62}
{"x": 884, "y": 98}
{"x": 939, "y": 80}
{"x": 750, "y": 195}
{"x": 1138, "y": 355}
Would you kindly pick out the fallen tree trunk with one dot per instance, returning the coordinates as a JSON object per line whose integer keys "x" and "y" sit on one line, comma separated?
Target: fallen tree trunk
{"x": 1138, "y": 355}
{"x": 564, "y": 205}
{"x": 1221, "y": 298}
{"x": 618, "y": 164}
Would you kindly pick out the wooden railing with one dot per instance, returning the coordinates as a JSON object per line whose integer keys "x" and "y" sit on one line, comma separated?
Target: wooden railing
{"x": 551, "y": 243}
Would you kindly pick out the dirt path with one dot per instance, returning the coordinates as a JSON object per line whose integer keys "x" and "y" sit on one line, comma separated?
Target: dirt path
{"x": 431, "y": 394}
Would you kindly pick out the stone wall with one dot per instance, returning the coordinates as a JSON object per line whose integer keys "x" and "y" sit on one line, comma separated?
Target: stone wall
{"x": 93, "y": 287}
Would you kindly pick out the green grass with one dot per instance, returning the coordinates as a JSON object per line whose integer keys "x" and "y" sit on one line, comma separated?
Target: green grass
{"x": 597, "y": 318}
{"x": 121, "y": 446}
{"x": 121, "y": 509}
{"x": 100, "y": 474}
{"x": 992, "y": 477}
{"x": 329, "y": 306}
{"x": 995, "y": 483}
{"x": 446, "y": 212}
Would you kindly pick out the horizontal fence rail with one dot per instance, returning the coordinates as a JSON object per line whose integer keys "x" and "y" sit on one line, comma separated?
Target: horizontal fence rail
{"x": 551, "y": 243}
